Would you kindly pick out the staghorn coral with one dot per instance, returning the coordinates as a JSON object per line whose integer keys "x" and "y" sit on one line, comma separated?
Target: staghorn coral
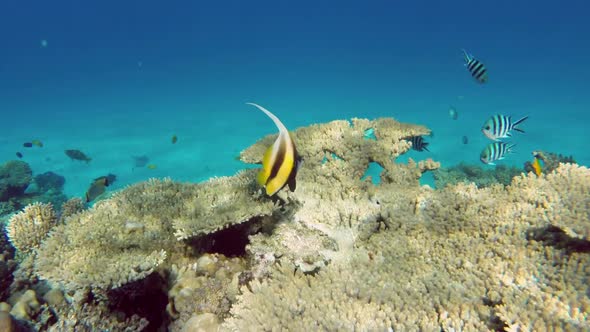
{"x": 29, "y": 227}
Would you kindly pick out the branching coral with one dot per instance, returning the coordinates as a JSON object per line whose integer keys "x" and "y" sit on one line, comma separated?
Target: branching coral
{"x": 29, "y": 227}
{"x": 126, "y": 237}
{"x": 452, "y": 259}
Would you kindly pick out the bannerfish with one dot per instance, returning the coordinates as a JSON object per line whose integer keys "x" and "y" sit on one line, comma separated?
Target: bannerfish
{"x": 495, "y": 151}
{"x": 37, "y": 143}
{"x": 28, "y": 144}
{"x": 418, "y": 143}
{"x": 476, "y": 68}
{"x": 77, "y": 155}
{"x": 453, "y": 113}
{"x": 174, "y": 139}
{"x": 499, "y": 126}
{"x": 281, "y": 161}
{"x": 19, "y": 155}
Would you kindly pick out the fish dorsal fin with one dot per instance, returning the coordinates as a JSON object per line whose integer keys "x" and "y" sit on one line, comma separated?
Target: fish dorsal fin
{"x": 282, "y": 129}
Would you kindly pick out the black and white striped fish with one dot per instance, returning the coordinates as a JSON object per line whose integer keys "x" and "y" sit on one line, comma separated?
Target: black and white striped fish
{"x": 476, "y": 68}
{"x": 499, "y": 126}
{"x": 495, "y": 151}
{"x": 418, "y": 143}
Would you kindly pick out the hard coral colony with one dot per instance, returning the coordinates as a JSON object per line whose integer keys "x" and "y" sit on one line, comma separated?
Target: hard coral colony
{"x": 338, "y": 253}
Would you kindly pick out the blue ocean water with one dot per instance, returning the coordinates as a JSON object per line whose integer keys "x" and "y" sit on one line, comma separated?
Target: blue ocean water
{"x": 117, "y": 79}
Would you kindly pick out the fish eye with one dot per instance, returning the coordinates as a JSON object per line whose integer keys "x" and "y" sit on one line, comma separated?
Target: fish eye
{"x": 487, "y": 127}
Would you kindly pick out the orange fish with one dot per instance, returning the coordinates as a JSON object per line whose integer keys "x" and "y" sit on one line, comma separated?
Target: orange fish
{"x": 537, "y": 167}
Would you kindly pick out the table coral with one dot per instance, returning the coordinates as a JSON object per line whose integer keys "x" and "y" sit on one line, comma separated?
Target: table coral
{"x": 126, "y": 237}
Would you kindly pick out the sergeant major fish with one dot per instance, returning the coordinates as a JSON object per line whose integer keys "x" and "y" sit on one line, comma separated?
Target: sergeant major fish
{"x": 476, "y": 68}
{"x": 280, "y": 162}
{"x": 499, "y": 126}
{"x": 418, "y": 143}
{"x": 495, "y": 151}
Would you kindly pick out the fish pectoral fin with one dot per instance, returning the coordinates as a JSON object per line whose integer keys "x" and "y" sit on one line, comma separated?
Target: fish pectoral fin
{"x": 292, "y": 183}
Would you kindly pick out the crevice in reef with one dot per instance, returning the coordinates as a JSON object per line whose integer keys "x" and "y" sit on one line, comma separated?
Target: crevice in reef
{"x": 146, "y": 298}
{"x": 557, "y": 238}
{"x": 231, "y": 241}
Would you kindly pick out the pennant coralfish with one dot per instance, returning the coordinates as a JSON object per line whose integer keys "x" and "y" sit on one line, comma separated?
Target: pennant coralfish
{"x": 281, "y": 161}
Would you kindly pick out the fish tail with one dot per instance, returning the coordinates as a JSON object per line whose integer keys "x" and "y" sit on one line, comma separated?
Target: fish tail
{"x": 515, "y": 124}
{"x": 510, "y": 148}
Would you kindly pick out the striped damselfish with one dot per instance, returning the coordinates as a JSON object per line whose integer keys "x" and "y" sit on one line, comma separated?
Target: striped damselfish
{"x": 476, "y": 68}
{"x": 499, "y": 126}
{"x": 495, "y": 151}
{"x": 280, "y": 162}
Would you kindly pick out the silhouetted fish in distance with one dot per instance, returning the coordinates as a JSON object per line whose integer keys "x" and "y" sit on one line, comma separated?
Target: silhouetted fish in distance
{"x": 77, "y": 155}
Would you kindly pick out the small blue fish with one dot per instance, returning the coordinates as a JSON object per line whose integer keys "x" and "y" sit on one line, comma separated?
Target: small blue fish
{"x": 495, "y": 151}
{"x": 476, "y": 68}
{"x": 499, "y": 126}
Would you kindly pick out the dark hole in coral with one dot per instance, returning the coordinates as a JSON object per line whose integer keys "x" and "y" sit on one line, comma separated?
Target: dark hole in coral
{"x": 232, "y": 241}
{"x": 146, "y": 298}
{"x": 556, "y": 237}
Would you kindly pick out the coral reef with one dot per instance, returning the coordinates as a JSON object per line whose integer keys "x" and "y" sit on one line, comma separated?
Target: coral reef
{"x": 451, "y": 259}
{"x": 465, "y": 173}
{"x": 18, "y": 188}
{"x": 338, "y": 253}
{"x": 550, "y": 161}
{"x": 49, "y": 181}
{"x": 29, "y": 227}
{"x": 126, "y": 237}
{"x": 15, "y": 177}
